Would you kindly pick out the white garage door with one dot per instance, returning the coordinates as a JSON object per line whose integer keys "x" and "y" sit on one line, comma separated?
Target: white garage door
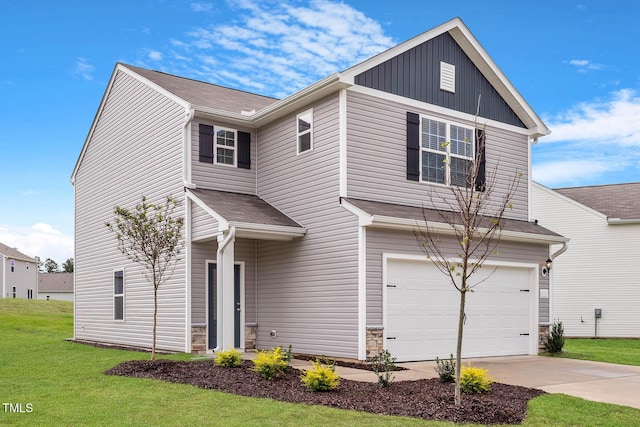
{"x": 422, "y": 312}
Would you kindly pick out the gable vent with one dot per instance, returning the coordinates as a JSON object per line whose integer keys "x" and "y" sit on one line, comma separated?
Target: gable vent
{"x": 447, "y": 77}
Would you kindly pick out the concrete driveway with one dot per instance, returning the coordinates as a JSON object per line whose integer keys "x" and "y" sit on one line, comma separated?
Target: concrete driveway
{"x": 601, "y": 382}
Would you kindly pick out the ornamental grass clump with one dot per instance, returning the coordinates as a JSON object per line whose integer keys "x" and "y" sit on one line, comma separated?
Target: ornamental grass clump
{"x": 270, "y": 364}
{"x": 322, "y": 377}
{"x": 228, "y": 359}
{"x": 474, "y": 380}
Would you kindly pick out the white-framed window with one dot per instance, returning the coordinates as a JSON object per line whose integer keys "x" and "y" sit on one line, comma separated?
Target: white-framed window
{"x": 447, "y": 152}
{"x": 14, "y": 291}
{"x": 118, "y": 294}
{"x": 13, "y": 265}
{"x": 225, "y": 143}
{"x": 304, "y": 124}
{"x": 29, "y": 293}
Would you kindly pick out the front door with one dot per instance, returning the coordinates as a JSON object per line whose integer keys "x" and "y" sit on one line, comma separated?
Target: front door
{"x": 212, "y": 302}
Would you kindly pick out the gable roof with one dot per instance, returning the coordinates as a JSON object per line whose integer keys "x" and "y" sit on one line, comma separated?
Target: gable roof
{"x": 55, "y": 282}
{"x": 14, "y": 253}
{"x": 616, "y": 201}
{"x": 202, "y": 94}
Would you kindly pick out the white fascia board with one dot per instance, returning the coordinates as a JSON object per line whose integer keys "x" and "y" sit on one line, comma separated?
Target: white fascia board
{"x": 223, "y": 224}
{"x": 411, "y": 224}
{"x": 432, "y": 108}
{"x": 267, "y": 232}
{"x": 237, "y": 119}
{"x": 570, "y": 201}
{"x": 364, "y": 219}
{"x": 618, "y": 221}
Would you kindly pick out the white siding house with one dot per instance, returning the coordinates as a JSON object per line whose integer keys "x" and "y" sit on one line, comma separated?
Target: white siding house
{"x": 601, "y": 268}
{"x": 18, "y": 274}
{"x": 299, "y": 213}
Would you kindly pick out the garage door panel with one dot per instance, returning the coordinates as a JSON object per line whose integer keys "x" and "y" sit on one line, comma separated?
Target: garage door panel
{"x": 422, "y": 312}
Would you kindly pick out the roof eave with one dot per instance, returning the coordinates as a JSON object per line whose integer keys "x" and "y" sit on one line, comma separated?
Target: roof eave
{"x": 623, "y": 221}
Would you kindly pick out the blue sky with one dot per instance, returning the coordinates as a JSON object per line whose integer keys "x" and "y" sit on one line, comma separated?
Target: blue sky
{"x": 576, "y": 63}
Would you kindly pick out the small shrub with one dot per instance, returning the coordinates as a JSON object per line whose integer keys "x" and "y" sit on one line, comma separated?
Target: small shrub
{"x": 474, "y": 380}
{"x": 322, "y": 377}
{"x": 555, "y": 340}
{"x": 228, "y": 359}
{"x": 446, "y": 370}
{"x": 288, "y": 356}
{"x": 383, "y": 365}
{"x": 270, "y": 364}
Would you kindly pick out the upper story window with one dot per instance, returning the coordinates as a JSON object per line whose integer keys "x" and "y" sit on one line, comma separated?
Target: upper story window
{"x": 224, "y": 146}
{"x": 305, "y": 131}
{"x": 447, "y": 152}
{"x": 13, "y": 265}
{"x": 118, "y": 295}
{"x": 444, "y": 152}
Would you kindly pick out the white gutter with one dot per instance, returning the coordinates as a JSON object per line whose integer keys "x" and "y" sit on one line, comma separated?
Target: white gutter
{"x": 618, "y": 221}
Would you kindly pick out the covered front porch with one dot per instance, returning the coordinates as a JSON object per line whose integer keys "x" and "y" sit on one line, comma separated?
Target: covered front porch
{"x": 225, "y": 231}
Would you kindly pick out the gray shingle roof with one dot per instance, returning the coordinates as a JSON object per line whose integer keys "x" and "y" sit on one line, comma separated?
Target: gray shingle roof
{"x": 55, "y": 282}
{"x": 419, "y": 214}
{"x": 243, "y": 208}
{"x": 205, "y": 94}
{"x": 15, "y": 253}
{"x": 615, "y": 200}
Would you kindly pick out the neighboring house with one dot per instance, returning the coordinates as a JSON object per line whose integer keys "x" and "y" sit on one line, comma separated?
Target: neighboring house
{"x": 601, "y": 269}
{"x": 300, "y": 212}
{"x": 18, "y": 274}
{"x": 57, "y": 286}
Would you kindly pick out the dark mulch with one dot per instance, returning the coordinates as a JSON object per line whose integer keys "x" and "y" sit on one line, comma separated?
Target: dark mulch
{"x": 365, "y": 366}
{"x": 428, "y": 399}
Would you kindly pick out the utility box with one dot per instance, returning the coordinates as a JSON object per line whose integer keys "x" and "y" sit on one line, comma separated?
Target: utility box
{"x": 598, "y": 313}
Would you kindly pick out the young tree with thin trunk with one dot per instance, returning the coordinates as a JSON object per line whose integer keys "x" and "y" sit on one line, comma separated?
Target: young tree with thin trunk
{"x": 474, "y": 218}
{"x": 150, "y": 235}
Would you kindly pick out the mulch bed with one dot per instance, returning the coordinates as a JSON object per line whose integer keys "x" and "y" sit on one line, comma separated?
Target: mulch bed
{"x": 429, "y": 399}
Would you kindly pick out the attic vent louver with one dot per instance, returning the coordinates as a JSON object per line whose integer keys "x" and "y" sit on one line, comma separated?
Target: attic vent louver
{"x": 447, "y": 77}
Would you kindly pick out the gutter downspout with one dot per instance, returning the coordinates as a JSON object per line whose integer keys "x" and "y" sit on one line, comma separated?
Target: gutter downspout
{"x": 223, "y": 254}
{"x": 560, "y": 251}
{"x": 186, "y": 149}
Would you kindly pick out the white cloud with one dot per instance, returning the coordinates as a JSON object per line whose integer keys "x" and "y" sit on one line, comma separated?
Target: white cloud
{"x": 281, "y": 47}
{"x": 155, "y": 55}
{"x": 40, "y": 240}
{"x": 569, "y": 172}
{"x": 201, "y": 7}
{"x": 82, "y": 69}
{"x": 584, "y": 65}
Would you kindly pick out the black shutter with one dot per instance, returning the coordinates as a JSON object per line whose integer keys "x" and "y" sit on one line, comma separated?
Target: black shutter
{"x": 480, "y": 158}
{"x": 244, "y": 150}
{"x": 413, "y": 146}
{"x": 206, "y": 143}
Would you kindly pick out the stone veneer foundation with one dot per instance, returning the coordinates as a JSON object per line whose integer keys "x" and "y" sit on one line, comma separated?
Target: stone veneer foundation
{"x": 199, "y": 339}
{"x": 375, "y": 345}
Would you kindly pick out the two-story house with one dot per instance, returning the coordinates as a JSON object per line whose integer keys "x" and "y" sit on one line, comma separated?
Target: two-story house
{"x": 18, "y": 273}
{"x": 300, "y": 213}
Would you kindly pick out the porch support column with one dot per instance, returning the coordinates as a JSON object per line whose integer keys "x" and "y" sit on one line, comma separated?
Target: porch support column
{"x": 225, "y": 286}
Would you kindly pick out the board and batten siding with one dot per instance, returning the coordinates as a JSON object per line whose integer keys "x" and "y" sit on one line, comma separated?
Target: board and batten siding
{"x": 600, "y": 269}
{"x": 308, "y": 288}
{"x": 377, "y": 157}
{"x": 134, "y": 150}
{"x": 381, "y": 241}
{"x": 217, "y": 176}
{"x": 202, "y": 252}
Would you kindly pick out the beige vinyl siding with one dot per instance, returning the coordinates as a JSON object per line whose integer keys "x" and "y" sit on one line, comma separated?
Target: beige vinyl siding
{"x": 600, "y": 269}
{"x": 308, "y": 288}
{"x": 221, "y": 177}
{"x": 203, "y": 226}
{"x": 245, "y": 251}
{"x": 377, "y": 153}
{"x": 402, "y": 242}
{"x": 135, "y": 150}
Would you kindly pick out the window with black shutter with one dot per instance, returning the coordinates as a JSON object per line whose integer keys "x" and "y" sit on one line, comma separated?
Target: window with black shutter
{"x": 206, "y": 143}
{"x": 244, "y": 150}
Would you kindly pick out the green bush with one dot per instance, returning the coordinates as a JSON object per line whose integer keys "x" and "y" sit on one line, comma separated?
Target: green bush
{"x": 270, "y": 364}
{"x": 474, "y": 380}
{"x": 322, "y": 377}
{"x": 383, "y": 365}
{"x": 555, "y": 340}
{"x": 446, "y": 369}
{"x": 228, "y": 359}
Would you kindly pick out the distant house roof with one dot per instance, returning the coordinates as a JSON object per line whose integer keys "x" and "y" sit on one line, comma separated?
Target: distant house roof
{"x": 55, "y": 282}
{"x": 616, "y": 200}
{"x": 205, "y": 94}
{"x": 401, "y": 216}
{"x": 15, "y": 254}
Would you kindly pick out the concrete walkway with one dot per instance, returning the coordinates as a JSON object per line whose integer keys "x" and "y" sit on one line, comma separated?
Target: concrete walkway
{"x": 600, "y": 382}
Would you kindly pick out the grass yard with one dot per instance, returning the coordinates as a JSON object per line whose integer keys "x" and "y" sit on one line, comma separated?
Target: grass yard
{"x": 63, "y": 384}
{"x": 611, "y": 350}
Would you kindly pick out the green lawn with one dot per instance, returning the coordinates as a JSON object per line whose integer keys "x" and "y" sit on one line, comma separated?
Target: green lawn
{"x": 64, "y": 385}
{"x": 614, "y": 350}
